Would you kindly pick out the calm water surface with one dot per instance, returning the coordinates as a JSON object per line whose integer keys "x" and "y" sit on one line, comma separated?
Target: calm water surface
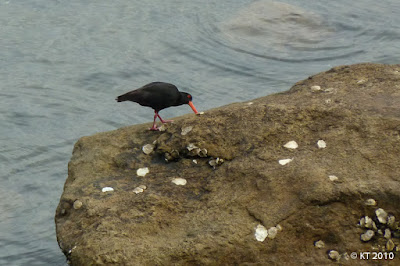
{"x": 63, "y": 62}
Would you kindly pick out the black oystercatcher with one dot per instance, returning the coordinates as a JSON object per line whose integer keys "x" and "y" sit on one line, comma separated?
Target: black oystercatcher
{"x": 158, "y": 95}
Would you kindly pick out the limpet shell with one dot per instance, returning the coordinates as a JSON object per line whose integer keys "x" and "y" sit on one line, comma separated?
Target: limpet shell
{"x": 142, "y": 171}
{"x": 285, "y": 161}
{"x": 191, "y": 146}
{"x": 216, "y": 162}
{"x": 139, "y": 189}
{"x": 389, "y": 245}
{"x": 186, "y": 130}
{"x": 77, "y": 204}
{"x": 172, "y": 155}
{"x": 261, "y": 233}
{"x": 367, "y": 235}
{"x": 381, "y": 215}
{"x": 107, "y": 189}
{"x": 179, "y": 181}
{"x": 370, "y": 202}
{"x": 315, "y": 88}
{"x": 333, "y": 178}
{"x": 391, "y": 222}
{"x": 148, "y": 148}
{"x": 319, "y": 244}
{"x": 291, "y": 145}
{"x": 334, "y": 255}
{"x": 321, "y": 144}
{"x": 202, "y": 152}
{"x": 272, "y": 232}
{"x": 388, "y": 234}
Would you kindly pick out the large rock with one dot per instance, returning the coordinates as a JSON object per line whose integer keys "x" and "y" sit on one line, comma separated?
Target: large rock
{"x": 320, "y": 195}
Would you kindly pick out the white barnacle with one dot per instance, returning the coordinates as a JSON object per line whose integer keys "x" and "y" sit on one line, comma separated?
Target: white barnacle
{"x": 261, "y": 233}
{"x": 186, "y": 130}
{"x": 107, "y": 189}
{"x": 291, "y": 145}
{"x": 370, "y": 202}
{"x": 148, "y": 148}
{"x": 272, "y": 232}
{"x": 191, "y": 146}
{"x": 179, "y": 181}
{"x": 139, "y": 189}
{"x": 142, "y": 171}
{"x": 319, "y": 244}
{"x": 333, "y": 178}
{"x": 285, "y": 161}
{"x": 315, "y": 88}
{"x": 367, "y": 236}
{"x": 382, "y": 215}
{"x": 321, "y": 144}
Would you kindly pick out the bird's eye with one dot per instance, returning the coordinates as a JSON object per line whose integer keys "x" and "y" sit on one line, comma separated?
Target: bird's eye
{"x": 189, "y": 96}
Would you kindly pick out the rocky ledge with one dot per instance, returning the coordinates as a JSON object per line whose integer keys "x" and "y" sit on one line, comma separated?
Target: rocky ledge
{"x": 307, "y": 176}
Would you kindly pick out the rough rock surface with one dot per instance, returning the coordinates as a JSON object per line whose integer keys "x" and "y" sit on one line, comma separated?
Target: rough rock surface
{"x": 212, "y": 219}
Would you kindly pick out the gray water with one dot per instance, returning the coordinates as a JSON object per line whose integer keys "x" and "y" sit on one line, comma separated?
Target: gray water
{"x": 62, "y": 63}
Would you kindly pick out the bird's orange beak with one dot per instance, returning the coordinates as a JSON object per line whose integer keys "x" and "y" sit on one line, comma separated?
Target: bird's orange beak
{"x": 192, "y": 106}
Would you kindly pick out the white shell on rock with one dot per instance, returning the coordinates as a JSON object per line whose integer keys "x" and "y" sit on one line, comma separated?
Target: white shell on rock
{"x": 139, "y": 189}
{"x": 333, "y": 178}
{"x": 291, "y": 145}
{"x": 148, "y": 148}
{"x": 186, "y": 130}
{"x": 362, "y": 222}
{"x": 334, "y": 255}
{"x": 389, "y": 245}
{"x": 77, "y": 204}
{"x": 321, "y": 144}
{"x": 391, "y": 221}
{"x": 261, "y": 233}
{"x": 368, "y": 222}
{"x": 249, "y": 103}
{"x": 200, "y": 113}
{"x": 202, "y": 152}
{"x": 191, "y": 146}
{"x": 216, "y": 162}
{"x": 142, "y": 171}
{"x": 381, "y": 215}
{"x": 388, "y": 234}
{"x": 279, "y": 227}
{"x": 319, "y": 244}
{"x": 163, "y": 127}
{"x": 370, "y": 202}
{"x": 195, "y": 161}
{"x": 107, "y": 189}
{"x": 285, "y": 161}
{"x": 315, "y": 88}
{"x": 272, "y": 232}
{"x": 367, "y": 235}
{"x": 179, "y": 181}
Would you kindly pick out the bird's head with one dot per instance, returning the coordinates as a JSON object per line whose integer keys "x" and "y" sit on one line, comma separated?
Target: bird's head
{"x": 187, "y": 99}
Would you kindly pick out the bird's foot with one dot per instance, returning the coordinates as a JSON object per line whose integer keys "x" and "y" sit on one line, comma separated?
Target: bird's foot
{"x": 154, "y": 128}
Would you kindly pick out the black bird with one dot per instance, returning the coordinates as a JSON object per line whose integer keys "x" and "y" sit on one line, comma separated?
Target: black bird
{"x": 158, "y": 95}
